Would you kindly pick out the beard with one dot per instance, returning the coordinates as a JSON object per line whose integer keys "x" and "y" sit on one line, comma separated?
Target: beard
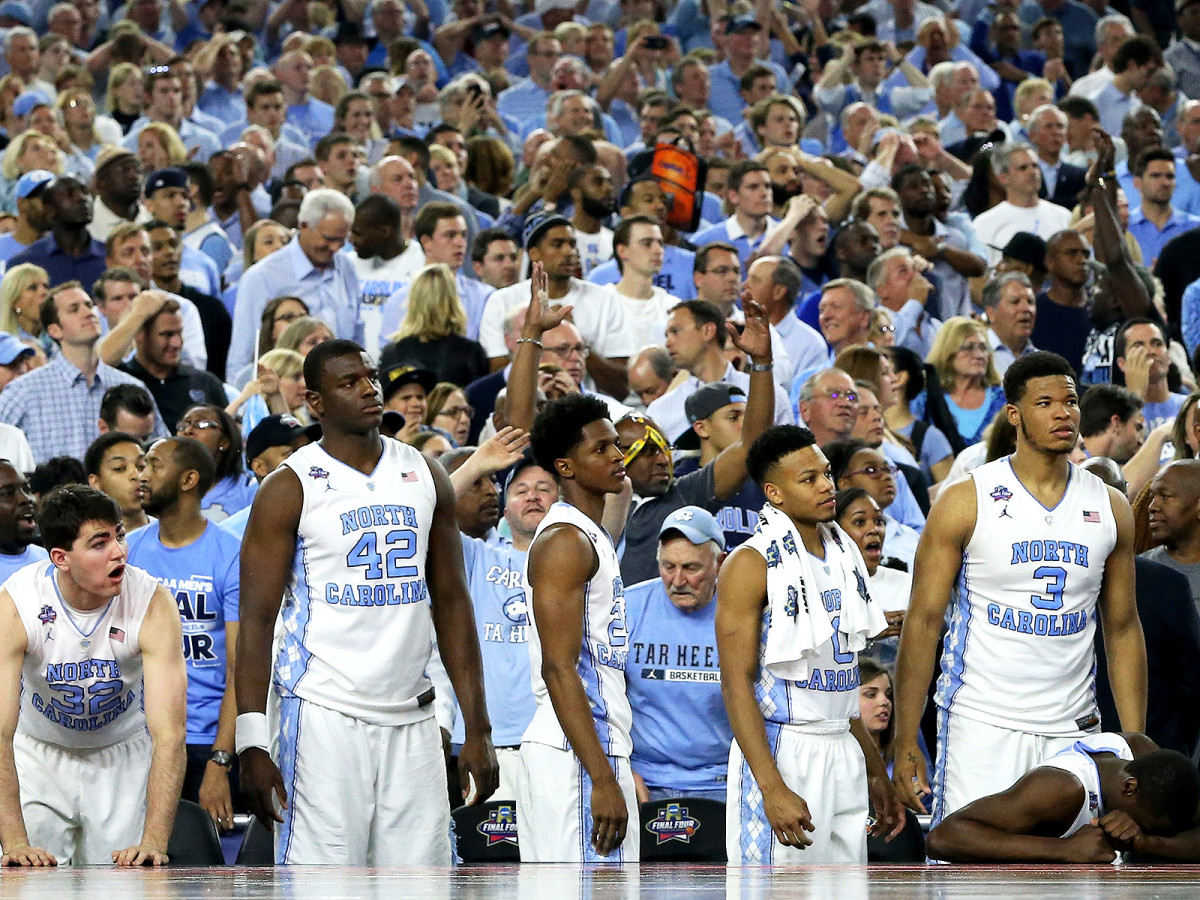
{"x": 598, "y": 209}
{"x": 782, "y": 193}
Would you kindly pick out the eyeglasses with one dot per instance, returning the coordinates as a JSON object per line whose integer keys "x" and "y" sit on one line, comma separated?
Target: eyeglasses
{"x": 562, "y": 351}
{"x": 875, "y": 471}
{"x": 974, "y": 347}
{"x": 722, "y": 270}
{"x": 886, "y": 329}
{"x": 198, "y": 425}
{"x": 290, "y": 317}
{"x": 848, "y": 396}
{"x": 156, "y": 70}
{"x": 455, "y": 411}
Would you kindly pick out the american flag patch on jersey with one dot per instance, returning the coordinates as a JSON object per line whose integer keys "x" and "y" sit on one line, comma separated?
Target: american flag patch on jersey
{"x": 116, "y": 634}
{"x": 1091, "y": 517}
{"x": 408, "y": 476}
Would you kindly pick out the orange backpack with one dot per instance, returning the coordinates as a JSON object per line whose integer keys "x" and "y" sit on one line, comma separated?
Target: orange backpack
{"x": 681, "y": 173}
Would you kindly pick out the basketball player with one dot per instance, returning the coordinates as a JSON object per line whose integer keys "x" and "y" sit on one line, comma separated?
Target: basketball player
{"x": 1036, "y": 546}
{"x": 1106, "y": 793}
{"x": 577, "y": 797}
{"x": 356, "y": 536}
{"x": 93, "y": 697}
{"x": 802, "y": 763}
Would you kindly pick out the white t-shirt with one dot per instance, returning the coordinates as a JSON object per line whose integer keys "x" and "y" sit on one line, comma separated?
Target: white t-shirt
{"x": 594, "y": 248}
{"x": 378, "y": 279}
{"x": 598, "y": 314}
{"x": 1001, "y": 222}
{"x": 648, "y": 318}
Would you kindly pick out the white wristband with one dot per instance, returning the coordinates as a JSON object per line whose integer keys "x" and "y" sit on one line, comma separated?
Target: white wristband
{"x": 251, "y": 731}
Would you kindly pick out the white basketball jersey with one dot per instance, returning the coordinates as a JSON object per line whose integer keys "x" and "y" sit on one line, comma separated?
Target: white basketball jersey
{"x": 1077, "y": 760}
{"x": 830, "y": 693}
{"x": 1019, "y": 652}
{"x": 81, "y": 683}
{"x": 357, "y": 629}
{"x": 605, "y": 650}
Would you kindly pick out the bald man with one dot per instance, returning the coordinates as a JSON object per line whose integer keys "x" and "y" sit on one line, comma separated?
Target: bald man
{"x": 1175, "y": 520}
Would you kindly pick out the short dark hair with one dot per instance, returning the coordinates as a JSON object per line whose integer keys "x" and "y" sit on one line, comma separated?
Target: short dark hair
{"x": 484, "y": 240}
{"x": 261, "y": 88}
{"x": 200, "y": 175}
{"x": 625, "y": 226}
{"x": 314, "y": 363}
{"x": 839, "y": 452}
{"x": 1039, "y": 364}
{"x": 1119, "y": 340}
{"x": 558, "y": 428}
{"x": 1168, "y": 785}
{"x": 440, "y": 128}
{"x": 788, "y": 274}
{"x": 67, "y": 507}
{"x": 740, "y": 170}
{"x": 48, "y": 311}
{"x": 773, "y": 445}
{"x": 115, "y": 273}
{"x": 427, "y": 219}
{"x": 189, "y": 453}
{"x": 101, "y": 445}
{"x": 702, "y": 253}
{"x": 380, "y": 209}
{"x": 1137, "y": 51}
{"x": 132, "y": 398}
{"x": 705, "y": 313}
{"x": 290, "y": 173}
{"x": 1078, "y": 107}
{"x": 326, "y": 144}
{"x": 846, "y": 496}
{"x": 414, "y": 145}
{"x": 905, "y": 171}
{"x": 1153, "y": 154}
{"x": 1103, "y": 401}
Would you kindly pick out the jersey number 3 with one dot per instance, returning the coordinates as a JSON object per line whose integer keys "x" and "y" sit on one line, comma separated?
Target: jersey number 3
{"x": 1054, "y": 587}
{"x": 401, "y": 544}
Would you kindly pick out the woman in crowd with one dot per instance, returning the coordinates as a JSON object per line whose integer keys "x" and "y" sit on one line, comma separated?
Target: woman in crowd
{"x": 125, "y": 98}
{"x": 11, "y": 87}
{"x": 278, "y": 389}
{"x": 855, "y": 464}
{"x": 861, "y": 518}
{"x": 78, "y": 113}
{"x": 449, "y": 411}
{"x": 262, "y": 239}
{"x": 432, "y": 443}
{"x": 875, "y": 704}
{"x": 160, "y": 146}
{"x": 963, "y": 361}
{"x": 54, "y": 56}
{"x": 277, "y": 315}
{"x": 303, "y": 334}
{"x": 22, "y": 291}
{"x": 29, "y": 150}
{"x": 355, "y": 115}
{"x": 490, "y": 167}
{"x": 235, "y": 488}
{"x": 433, "y": 333}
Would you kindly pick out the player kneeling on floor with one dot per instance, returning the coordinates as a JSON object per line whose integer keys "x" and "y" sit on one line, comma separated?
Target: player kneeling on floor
{"x": 94, "y": 695}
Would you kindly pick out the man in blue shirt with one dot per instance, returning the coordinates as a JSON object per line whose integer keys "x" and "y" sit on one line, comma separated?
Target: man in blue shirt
{"x": 68, "y": 252}
{"x": 309, "y": 267}
{"x": 1156, "y": 220}
{"x": 197, "y": 561}
{"x": 527, "y": 99}
{"x": 1141, "y": 363}
{"x": 740, "y": 37}
{"x": 749, "y": 193}
{"x": 681, "y": 733}
{"x": 18, "y": 529}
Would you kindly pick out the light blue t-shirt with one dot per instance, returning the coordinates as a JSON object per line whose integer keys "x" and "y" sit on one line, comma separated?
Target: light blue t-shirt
{"x": 204, "y": 579}
{"x": 236, "y": 524}
{"x": 1158, "y": 413}
{"x": 9, "y": 563}
{"x": 229, "y": 495}
{"x": 496, "y": 582}
{"x": 675, "y": 277}
{"x": 681, "y": 734}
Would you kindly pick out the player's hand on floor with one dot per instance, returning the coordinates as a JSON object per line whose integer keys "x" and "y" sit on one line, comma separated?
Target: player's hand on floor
{"x": 216, "y": 798}
{"x": 789, "y": 817}
{"x": 24, "y": 855}
{"x": 141, "y": 855}
{"x": 477, "y": 763}
{"x": 910, "y": 778}
{"x": 889, "y": 811}
{"x": 1090, "y": 844}
{"x": 261, "y": 784}
{"x": 610, "y": 816}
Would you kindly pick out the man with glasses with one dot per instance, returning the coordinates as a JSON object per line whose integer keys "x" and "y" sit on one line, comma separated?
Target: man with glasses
{"x": 309, "y": 267}
{"x": 527, "y": 99}
{"x": 58, "y": 404}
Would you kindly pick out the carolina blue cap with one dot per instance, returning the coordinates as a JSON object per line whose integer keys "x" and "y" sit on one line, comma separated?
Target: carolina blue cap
{"x": 33, "y": 182}
{"x": 17, "y": 9}
{"x": 695, "y": 524}
{"x": 12, "y": 349}
{"x": 29, "y": 101}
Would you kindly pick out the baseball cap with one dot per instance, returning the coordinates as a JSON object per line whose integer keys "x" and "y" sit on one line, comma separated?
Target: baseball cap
{"x": 485, "y": 30}
{"x": 29, "y": 101}
{"x": 165, "y": 178}
{"x": 703, "y": 403}
{"x": 111, "y": 153}
{"x": 1025, "y": 247}
{"x": 738, "y": 24}
{"x": 17, "y": 9}
{"x": 11, "y": 349}
{"x": 33, "y": 183}
{"x": 538, "y": 225}
{"x": 695, "y": 524}
{"x": 397, "y": 377}
{"x": 273, "y": 431}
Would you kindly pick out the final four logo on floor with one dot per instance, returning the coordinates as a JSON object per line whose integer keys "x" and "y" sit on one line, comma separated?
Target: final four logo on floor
{"x": 673, "y": 824}
{"x": 501, "y": 826}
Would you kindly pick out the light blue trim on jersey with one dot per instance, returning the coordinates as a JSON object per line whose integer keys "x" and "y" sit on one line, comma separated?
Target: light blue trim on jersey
{"x": 954, "y": 653}
{"x": 294, "y": 655}
{"x": 757, "y": 840}
{"x": 66, "y": 607}
{"x": 593, "y": 684}
{"x": 588, "y": 853}
{"x": 939, "y": 773}
{"x": 289, "y": 740}
{"x": 1066, "y": 490}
